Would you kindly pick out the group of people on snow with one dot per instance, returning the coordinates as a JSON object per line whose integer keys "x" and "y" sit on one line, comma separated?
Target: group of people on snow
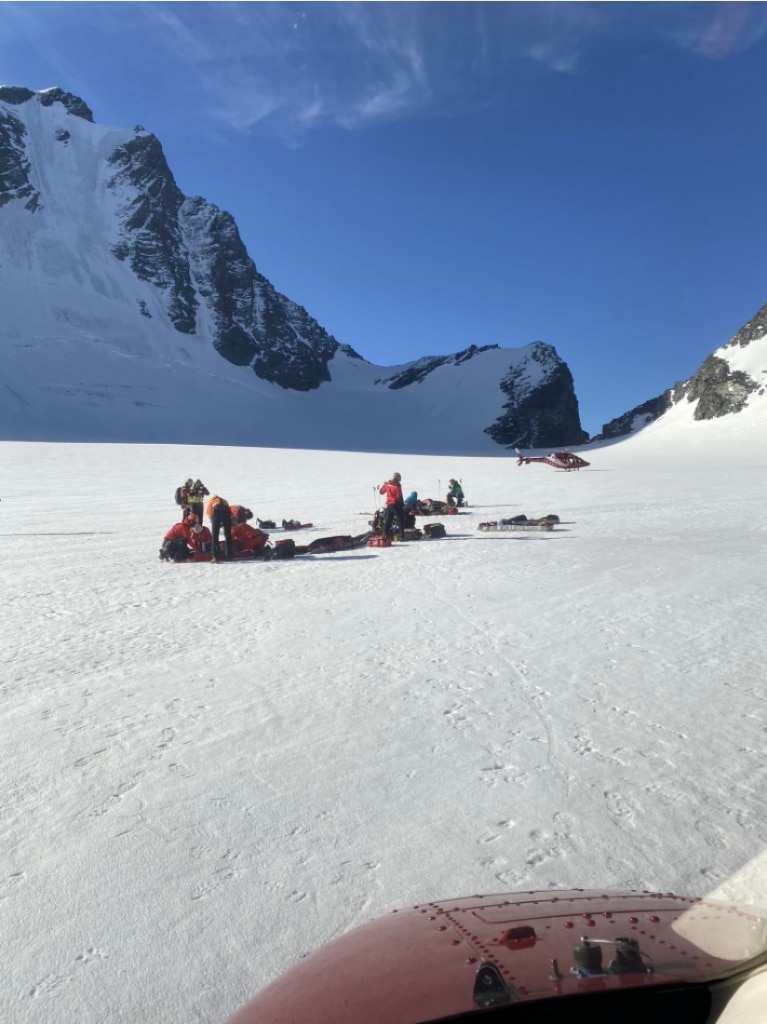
{"x": 229, "y": 528}
{"x": 192, "y": 540}
{"x": 403, "y": 510}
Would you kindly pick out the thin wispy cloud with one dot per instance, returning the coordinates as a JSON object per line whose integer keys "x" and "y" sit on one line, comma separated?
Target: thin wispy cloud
{"x": 352, "y": 64}
{"x": 713, "y": 31}
{"x": 296, "y": 67}
{"x": 733, "y": 29}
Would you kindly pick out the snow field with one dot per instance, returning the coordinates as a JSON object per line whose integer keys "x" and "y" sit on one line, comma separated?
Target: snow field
{"x": 210, "y": 770}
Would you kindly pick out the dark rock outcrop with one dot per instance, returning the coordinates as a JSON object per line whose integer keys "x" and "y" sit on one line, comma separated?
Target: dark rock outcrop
{"x": 755, "y": 328}
{"x": 636, "y": 418}
{"x": 14, "y": 165}
{"x": 542, "y": 416}
{"x": 717, "y": 389}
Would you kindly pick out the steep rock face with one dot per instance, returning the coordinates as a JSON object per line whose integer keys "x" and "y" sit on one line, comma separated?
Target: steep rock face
{"x": 255, "y": 325}
{"x": 151, "y": 239}
{"x": 14, "y": 165}
{"x": 192, "y": 250}
{"x": 543, "y": 416}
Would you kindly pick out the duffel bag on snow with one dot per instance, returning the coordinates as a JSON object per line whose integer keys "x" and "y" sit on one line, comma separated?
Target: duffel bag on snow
{"x": 342, "y": 542}
{"x": 434, "y": 530}
{"x": 379, "y": 542}
{"x": 284, "y": 549}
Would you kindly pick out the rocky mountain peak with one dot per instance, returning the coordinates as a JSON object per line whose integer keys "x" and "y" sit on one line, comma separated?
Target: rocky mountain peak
{"x": 16, "y": 95}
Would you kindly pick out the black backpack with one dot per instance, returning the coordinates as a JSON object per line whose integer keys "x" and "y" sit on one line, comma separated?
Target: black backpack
{"x": 180, "y": 496}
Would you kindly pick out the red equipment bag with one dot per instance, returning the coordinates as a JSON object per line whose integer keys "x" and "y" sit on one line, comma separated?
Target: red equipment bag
{"x": 379, "y": 542}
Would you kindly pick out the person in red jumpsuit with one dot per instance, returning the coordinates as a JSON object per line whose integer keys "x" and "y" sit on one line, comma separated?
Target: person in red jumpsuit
{"x": 200, "y": 539}
{"x": 183, "y": 539}
{"x": 248, "y": 541}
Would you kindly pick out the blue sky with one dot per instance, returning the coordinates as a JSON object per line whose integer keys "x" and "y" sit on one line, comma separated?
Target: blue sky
{"x": 422, "y": 177}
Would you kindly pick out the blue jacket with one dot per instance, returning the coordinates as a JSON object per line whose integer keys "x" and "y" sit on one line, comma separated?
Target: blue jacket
{"x": 412, "y": 499}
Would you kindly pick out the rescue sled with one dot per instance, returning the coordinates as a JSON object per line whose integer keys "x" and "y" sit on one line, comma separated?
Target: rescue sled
{"x": 559, "y": 460}
{"x": 551, "y": 956}
{"x": 519, "y": 523}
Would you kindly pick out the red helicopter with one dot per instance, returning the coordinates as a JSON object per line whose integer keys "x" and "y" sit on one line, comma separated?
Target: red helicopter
{"x": 549, "y": 957}
{"x": 559, "y": 460}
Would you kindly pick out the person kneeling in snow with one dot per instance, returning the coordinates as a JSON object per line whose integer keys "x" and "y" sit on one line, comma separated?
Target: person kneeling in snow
{"x": 455, "y": 495}
{"x": 185, "y": 539}
{"x": 247, "y": 541}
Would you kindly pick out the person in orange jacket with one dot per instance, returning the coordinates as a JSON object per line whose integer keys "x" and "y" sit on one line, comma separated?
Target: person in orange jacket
{"x": 220, "y": 516}
{"x": 395, "y": 506}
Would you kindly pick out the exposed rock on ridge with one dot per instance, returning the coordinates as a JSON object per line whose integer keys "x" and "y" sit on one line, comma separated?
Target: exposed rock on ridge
{"x": 755, "y": 328}
{"x": 421, "y": 368}
{"x": 46, "y": 97}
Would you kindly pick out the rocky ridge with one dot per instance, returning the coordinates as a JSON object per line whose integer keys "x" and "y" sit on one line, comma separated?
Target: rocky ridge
{"x": 716, "y": 388}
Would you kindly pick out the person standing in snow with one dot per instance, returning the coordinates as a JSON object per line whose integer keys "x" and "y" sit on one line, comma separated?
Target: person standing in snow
{"x": 182, "y": 494}
{"x": 395, "y": 506}
{"x": 196, "y": 498}
{"x": 220, "y": 516}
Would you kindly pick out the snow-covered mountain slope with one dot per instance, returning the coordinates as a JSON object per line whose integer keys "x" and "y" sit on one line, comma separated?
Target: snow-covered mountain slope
{"x": 131, "y": 312}
{"x": 732, "y": 381}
